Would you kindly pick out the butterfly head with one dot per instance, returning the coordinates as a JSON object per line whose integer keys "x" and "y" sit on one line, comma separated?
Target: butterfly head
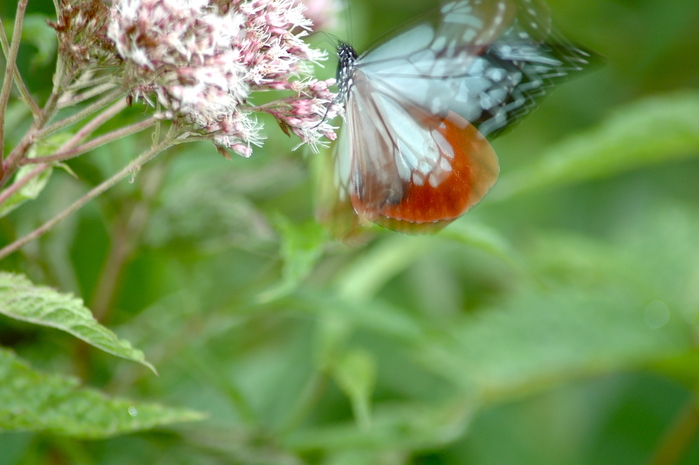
{"x": 347, "y": 57}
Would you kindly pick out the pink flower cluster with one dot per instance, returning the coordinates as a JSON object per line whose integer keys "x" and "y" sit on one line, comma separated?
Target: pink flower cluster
{"x": 202, "y": 60}
{"x": 81, "y": 30}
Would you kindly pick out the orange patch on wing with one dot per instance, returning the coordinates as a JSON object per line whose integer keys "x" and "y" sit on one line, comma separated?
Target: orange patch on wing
{"x": 424, "y": 208}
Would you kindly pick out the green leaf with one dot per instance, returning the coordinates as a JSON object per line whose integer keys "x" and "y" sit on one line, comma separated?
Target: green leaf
{"x": 375, "y": 314}
{"x": 535, "y": 339}
{"x": 651, "y": 131}
{"x": 355, "y": 373}
{"x": 32, "y": 401}
{"x": 28, "y": 191}
{"x": 605, "y": 308}
{"x": 23, "y": 300}
{"x": 34, "y": 186}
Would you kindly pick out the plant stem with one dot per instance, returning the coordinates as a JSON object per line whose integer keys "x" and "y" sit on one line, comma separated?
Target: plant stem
{"x": 679, "y": 437}
{"x": 11, "y": 163}
{"x": 85, "y": 112}
{"x": 63, "y": 155}
{"x": 69, "y": 151}
{"x": 44, "y": 162}
{"x": 35, "y": 133}
{"x": 86, "y": 95}
{"x": 128, "y": 169}
{"x": 79, "y": 85}
{"x": 20, "y": 183}
{"x": 21, "y": 86}
{"x": 10, "y": 67}
{"x": 96, "y": 122}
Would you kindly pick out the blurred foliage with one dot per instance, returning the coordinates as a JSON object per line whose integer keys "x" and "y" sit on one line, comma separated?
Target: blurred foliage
{"x": 554, "y": 324}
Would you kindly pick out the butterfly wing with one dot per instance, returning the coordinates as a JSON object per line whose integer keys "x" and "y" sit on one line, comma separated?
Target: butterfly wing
{"x": 407, "y": 166}
{"x": 420, "y": 106}
{"x": 488, "y": 61}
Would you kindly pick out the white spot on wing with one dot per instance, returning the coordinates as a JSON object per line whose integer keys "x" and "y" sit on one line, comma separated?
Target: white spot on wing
{"x": 477, "y": 68}
{"x": 447, "y": 6}
{"x": 443, "y": 144}
{"x": 498, "y": 96}
{"x": 444, "y": 165}
{"x": 407, "y": 158}
{"x": 469, "y": 35}
{"x": 439, "y": 43}
{"x": 495, "y": 74}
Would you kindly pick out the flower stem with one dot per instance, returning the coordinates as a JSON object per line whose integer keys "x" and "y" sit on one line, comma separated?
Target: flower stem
{"x": 21, "y": 86}
{"x": 96, "y": 122}
{"x": 63, "y": 155}
{"x": 10, "y": 67}
{"x": 20, "y": 183}
{"x": 128, "y": 169}
{"x": 36, "y": 132}
{"x": 88, "y": 110}
{"x": 66, "y": 153}
{"x": 86, "y": 95}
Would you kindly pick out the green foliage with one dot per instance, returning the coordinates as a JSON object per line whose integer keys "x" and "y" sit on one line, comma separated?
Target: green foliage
{"x": 29, "y": 191}
{"x": 554, "y": 324}
{"x": 650, "y": 131}
{"x": 30, "y": 400}
{"x": 21, "y": 299}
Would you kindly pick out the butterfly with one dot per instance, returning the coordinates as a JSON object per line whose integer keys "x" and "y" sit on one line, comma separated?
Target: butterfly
{"x": 420, "y": 109}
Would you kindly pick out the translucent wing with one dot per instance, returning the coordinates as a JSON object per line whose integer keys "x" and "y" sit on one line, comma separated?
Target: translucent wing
{"x": 403, "y": 167}
{"x": 420, "y": 106}
{"x": 488, "y": 61}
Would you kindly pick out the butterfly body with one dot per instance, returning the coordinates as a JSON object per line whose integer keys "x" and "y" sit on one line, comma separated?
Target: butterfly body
{"x": 419, "y": 108}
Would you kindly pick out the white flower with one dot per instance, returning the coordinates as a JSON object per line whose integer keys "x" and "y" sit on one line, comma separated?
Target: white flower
{"x": 203, "y": 60}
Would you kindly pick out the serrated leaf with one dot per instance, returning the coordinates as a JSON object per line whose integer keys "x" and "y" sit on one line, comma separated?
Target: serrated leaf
{"x": 23, "y": 300}
{"x": 650, "y": 131}
{"x": 33, "y": 401}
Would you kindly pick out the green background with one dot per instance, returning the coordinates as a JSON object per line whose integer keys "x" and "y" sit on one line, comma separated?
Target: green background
{"x": 555, "y": 323}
